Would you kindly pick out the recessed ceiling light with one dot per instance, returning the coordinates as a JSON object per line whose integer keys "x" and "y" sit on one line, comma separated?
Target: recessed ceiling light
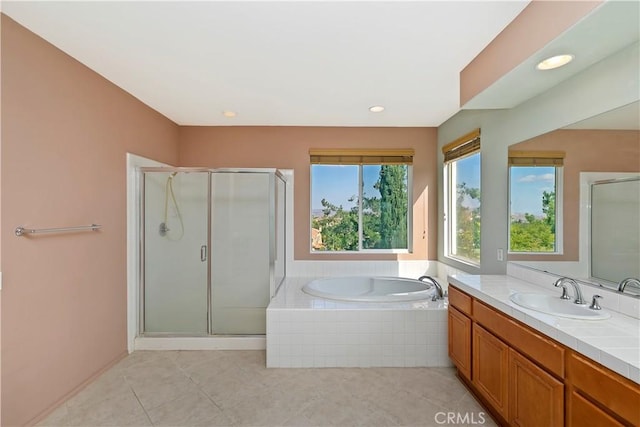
{"x": 229, "y": 114}
{"x": 554, "y": 62}
{"x": 376, "y": 109}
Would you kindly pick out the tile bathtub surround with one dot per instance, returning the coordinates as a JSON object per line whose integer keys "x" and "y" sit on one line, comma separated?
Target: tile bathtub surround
{"x": 234, "y": 388}
{"x": 613, "y": 342}
{"x": 306, "y": 331}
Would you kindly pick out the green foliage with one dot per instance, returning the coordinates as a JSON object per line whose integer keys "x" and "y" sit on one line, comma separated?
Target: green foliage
{"x": 384, "y": 218}
{"x": 339, "y": 227}
{"x": 535, "y": 234}
{"x": 468, "y": 222}
{"x": 393, "y": 212}
{"x": 549, "y": 208}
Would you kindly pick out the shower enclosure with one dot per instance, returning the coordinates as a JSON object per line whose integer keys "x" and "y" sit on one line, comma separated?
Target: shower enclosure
{"x": 212, "y": 249}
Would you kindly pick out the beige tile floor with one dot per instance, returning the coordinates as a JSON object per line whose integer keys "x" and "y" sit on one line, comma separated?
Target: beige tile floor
{"x": 234, "y": 388}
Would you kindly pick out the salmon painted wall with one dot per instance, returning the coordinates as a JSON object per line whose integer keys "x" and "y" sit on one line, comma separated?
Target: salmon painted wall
{"x": 65, "y": 135}
{"x": 519, "y": 40}
{"x": 288, "y": 148}
{"x": 585, "y": 151}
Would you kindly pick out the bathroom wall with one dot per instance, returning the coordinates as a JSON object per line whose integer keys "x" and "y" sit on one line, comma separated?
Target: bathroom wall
{"x": 288, "y": 148}
{"x": 585, "y": 150}
{"x": 65, "y": 135}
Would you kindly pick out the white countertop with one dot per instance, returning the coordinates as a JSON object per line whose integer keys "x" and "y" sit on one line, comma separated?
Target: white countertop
{"x": 613, "y": 342}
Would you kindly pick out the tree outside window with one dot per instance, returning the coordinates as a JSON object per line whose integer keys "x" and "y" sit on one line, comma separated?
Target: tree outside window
{"x": 532, "y": 198}
{"x": 360, "y": 207}
{"x": 463, "y": 208}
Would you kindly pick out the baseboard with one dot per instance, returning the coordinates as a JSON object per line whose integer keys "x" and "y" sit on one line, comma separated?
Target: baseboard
{"x": 44, "y": 414}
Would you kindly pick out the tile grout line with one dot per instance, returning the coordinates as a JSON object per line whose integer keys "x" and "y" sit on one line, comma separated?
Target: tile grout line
{"x": 138, "y": 399}
{"x": 186, "y": 374}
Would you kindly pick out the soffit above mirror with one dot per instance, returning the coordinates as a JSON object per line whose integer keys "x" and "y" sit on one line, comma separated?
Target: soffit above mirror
{"x": 609, "y": 28}
{"x": 623, "y": 118}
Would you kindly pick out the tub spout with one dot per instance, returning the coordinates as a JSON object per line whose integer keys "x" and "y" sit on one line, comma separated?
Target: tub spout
{"x": 440, "y": 294}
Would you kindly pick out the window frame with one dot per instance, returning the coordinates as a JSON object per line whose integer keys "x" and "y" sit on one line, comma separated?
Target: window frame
{"x": 459, "y": 149}
{"x": 559, "y": 215}
{"x": 360, "y": 249}
{"x": 450, "y": 212}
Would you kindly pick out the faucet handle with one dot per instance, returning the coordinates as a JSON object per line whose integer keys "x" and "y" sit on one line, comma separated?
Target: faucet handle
{"x": 594, "y": 303}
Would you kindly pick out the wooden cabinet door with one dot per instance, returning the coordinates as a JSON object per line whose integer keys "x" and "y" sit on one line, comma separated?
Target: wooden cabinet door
{"x": 459, "y": 328}
{"x": 535, "y": 397}
{"x": 490, "y": 369}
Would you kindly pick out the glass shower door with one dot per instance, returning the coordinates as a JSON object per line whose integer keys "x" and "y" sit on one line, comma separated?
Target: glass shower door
{"x": 176, "y": 229}
{"x": 242, "y": 226}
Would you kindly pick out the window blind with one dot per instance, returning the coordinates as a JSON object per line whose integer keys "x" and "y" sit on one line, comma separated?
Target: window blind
{"x": 536, "y": 158}
{"x": 462, "y": 147}
{"x": 361, "y": 157}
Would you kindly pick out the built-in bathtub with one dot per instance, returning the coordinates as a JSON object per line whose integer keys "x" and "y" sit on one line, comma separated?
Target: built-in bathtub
{"x": 306, "y": 330}
{"x": 369, "y": 289}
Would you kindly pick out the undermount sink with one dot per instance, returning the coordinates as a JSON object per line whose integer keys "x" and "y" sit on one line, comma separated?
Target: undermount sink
{"x": 552, "y": 304}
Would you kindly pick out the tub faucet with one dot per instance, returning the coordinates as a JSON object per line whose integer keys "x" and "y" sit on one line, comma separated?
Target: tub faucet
{"x": 440, "y": 294}
{"x": 629, "y": 280}
{"x": 577, "y": 293}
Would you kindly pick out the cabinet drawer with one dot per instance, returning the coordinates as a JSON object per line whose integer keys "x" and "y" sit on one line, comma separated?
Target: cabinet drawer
{"x": 585, "y": 413}
{"x": 544, "y": 351}
{"x": 612, "y": 391}
{"x": 460, "y": 300}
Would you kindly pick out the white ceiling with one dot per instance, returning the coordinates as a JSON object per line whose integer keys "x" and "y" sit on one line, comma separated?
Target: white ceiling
{"x": 278, "y": 63}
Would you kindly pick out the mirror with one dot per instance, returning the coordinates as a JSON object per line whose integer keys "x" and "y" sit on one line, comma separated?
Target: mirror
{"x": 603, "y": 148}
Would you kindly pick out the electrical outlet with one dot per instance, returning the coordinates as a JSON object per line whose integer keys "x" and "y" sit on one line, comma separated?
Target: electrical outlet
{"x": 500, "y": 255}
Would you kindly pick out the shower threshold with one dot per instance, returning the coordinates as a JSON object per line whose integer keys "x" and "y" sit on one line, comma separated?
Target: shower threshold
{"x": 210, "y": 342}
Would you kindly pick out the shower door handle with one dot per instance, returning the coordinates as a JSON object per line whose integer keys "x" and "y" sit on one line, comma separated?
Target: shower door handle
{"x": 203, "y": 253}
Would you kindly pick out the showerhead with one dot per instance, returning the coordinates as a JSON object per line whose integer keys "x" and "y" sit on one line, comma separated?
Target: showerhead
{"x": 173, "y": 174}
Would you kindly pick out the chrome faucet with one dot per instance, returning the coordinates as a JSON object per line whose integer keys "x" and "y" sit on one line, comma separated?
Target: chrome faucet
{"x": 440, "y": 294}
{"x": 577, "y": 293}
{"x": 624, "y": 282}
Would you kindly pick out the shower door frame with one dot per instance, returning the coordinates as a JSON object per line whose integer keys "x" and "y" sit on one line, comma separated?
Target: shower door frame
{"x": 274, "y": 172}
{"x": 141, "y": 248}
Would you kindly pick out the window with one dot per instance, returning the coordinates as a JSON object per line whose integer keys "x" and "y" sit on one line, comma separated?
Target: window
{"x": 462, "y": 198}
{"x": 535, "y": 202}
{"x": 360, "y": 200}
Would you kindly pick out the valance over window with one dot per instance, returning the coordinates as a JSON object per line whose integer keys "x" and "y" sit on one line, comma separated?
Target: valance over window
{"x": 361, "y": 157}
{"x": 536, "y": 158}
{"x": 462, "y": 147}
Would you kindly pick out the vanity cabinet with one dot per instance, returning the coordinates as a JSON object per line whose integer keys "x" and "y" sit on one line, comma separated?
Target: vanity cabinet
{"x": 524, "y": 378}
